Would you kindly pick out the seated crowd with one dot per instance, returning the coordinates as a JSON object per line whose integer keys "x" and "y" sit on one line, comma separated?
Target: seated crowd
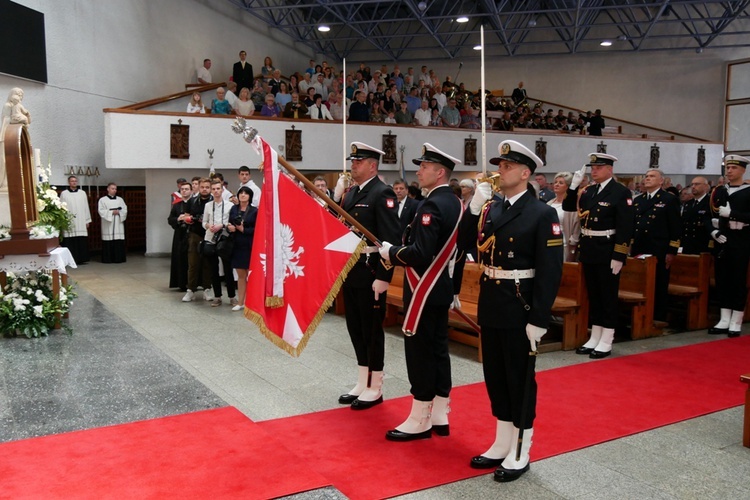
{"x": 383, "y": 96}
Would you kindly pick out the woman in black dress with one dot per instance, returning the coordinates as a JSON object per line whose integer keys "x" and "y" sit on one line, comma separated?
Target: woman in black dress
{"x": 242, "y": 219}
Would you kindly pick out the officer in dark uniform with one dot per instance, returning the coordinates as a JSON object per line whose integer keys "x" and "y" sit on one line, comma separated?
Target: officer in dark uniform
{"x": 696, "y": 220}
{"x": 428, "y": 244}
{"x": 606, "y": 212}
{"x": 373, "y": 204}
{"x": 731, "y": 204}
{"x": 657, "y": 233}
{"x": 520, "y": 246}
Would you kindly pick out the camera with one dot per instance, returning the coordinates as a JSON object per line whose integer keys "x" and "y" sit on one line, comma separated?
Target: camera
{"x": 237, "y": 220}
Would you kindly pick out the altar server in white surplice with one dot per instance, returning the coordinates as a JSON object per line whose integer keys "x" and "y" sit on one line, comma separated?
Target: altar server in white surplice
{"x": 76, "y": 238}
{"x": 113, "y": 211}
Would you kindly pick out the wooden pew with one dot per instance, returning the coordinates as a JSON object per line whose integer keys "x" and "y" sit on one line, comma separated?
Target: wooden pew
{"x": 394, "y": 301}
{"x": 572, "y": 304}
{"x": 637, "y": 284}
{"x": 689, "y": 279}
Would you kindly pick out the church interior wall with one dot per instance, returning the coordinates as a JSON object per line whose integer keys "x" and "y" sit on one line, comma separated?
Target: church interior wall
{"x": 680, "y": 91}
{"x": 107, "y": 54}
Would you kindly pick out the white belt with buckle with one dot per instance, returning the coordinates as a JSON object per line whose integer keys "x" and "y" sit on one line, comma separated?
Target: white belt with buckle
{"x": 370, "y": 250}
{"x": 737, "y": 225}
{"x": 590, "y": 232}
{"x": 514, "y": 274}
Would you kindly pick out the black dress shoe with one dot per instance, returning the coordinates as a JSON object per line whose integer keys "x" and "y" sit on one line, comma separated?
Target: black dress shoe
{"x": 480, "y": 462}
{"x": 599, "y": 354}
{"x": 733, "y": 334}
{"x": 584, "y": 350}
{"x": 394, "y": 435}
{"x": 503, "y": 475}
{"x": 358, "y": 404}
{"x": 346, "y": 399}
{"x": 718, "y": 331}
{"x": 441, "y": 430}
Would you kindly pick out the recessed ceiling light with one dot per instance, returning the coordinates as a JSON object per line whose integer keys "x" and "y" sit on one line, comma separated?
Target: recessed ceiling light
{"x": 462, "y": 19}
{"x": 324, "y": 28}
{"x": 477, "y": 47}
{"x": 606, "y": 43}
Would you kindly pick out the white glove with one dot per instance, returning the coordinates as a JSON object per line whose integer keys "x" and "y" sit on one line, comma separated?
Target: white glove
{"x": 482, "y": 193}
{"x": 384, "y": 251}
{"x": 535, "y": 334}
{"x": 616, "y": 266}
{"x": 578, "y": 178}
{"x": 715, "y": 223}
{"x": 720, "y": 238}
{"x": 341, "y": 186}
{"x": 725, "y": 210}
{"x": 379, "y": 286}
{"x": 456, "y": 303}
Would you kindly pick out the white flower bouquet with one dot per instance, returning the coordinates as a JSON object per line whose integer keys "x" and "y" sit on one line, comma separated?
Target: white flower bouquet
{"x": 28, "y": 306}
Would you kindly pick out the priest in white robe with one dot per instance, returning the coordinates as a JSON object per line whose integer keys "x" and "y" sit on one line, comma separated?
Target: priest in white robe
{"x": 113, "y": 212}
{"x": 76, "y": 238}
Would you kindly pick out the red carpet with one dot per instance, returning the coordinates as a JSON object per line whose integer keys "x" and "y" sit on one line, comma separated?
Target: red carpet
{"x": 222, "y": 454}
{"x": 578, "y": 406}
{"x": 209, "y": 454}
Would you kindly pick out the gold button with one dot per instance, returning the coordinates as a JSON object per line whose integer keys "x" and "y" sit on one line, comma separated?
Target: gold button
{"x": 497, "y": 282}
{"x": 511, "y": 239}
{"x": 499, "y": 253}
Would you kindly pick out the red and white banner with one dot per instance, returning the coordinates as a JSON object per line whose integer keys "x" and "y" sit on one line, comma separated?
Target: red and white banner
{"x": 301, "y": 255}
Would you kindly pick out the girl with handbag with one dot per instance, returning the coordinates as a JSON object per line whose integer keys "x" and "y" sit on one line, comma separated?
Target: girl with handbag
{"x": 242, "y": 219}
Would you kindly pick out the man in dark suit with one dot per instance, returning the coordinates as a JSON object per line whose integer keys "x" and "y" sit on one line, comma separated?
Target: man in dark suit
{"x": 428, "y": 293}
{"x": 596, "y": 123}
{"x": 407, "y": 207}
{"x": 606, "y": 212}
{"x": 657, "y": 232}
{"x": 730, "y": 203}
{"x": 521, "y": 252}
{"x": 373, "y": 204}
{"x": 696, "y": 220}
{"x": 242, "y": 73}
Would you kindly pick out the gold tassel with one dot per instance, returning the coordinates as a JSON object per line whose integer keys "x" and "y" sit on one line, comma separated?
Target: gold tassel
{"x": 274, "y": 302}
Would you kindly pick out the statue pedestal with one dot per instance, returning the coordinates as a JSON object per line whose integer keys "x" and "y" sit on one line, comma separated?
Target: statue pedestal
{"x": 18, "y": 245}
{"x": 4, "y": 208}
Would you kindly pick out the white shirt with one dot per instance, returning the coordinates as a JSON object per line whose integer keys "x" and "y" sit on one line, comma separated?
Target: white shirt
{"x": 422, "y": 116}
{"x": 319, "y": 113}
{"x": 204, "y": 74}
{"x": 256, "y": 192}
{"x": 231, "y": 98}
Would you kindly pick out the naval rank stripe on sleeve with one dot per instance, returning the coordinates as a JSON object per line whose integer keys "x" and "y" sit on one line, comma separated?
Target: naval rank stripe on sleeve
{"x": 555, "y": 243}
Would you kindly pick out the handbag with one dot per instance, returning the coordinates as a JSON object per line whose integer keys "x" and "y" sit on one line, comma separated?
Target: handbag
{"x": 207, "y": 248}
{"x": 225, "y": 246}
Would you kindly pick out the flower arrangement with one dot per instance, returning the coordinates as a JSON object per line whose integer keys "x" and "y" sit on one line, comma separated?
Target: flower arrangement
{"x": 28, "y": 306}
{"x": 53, "y": 213}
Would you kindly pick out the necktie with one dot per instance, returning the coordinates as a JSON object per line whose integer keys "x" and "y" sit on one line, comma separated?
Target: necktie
{"x": 320, "y": 113}
{"x": 596, "y": 189}
{"x": 355, "y": 190}
{"x": 400, "y": 207}
{"x": 506, "y": 205}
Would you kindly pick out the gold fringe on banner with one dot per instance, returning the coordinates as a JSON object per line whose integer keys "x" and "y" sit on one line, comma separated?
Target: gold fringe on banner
{"x": 274, "y": 301}
{"x": 332, "y": 293}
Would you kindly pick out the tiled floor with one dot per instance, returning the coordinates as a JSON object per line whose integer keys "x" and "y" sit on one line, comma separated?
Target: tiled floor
{"x": 139, "y": 352}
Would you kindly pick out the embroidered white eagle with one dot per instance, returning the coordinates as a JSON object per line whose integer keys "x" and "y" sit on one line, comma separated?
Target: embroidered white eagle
{"x": 289, "y": 257}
